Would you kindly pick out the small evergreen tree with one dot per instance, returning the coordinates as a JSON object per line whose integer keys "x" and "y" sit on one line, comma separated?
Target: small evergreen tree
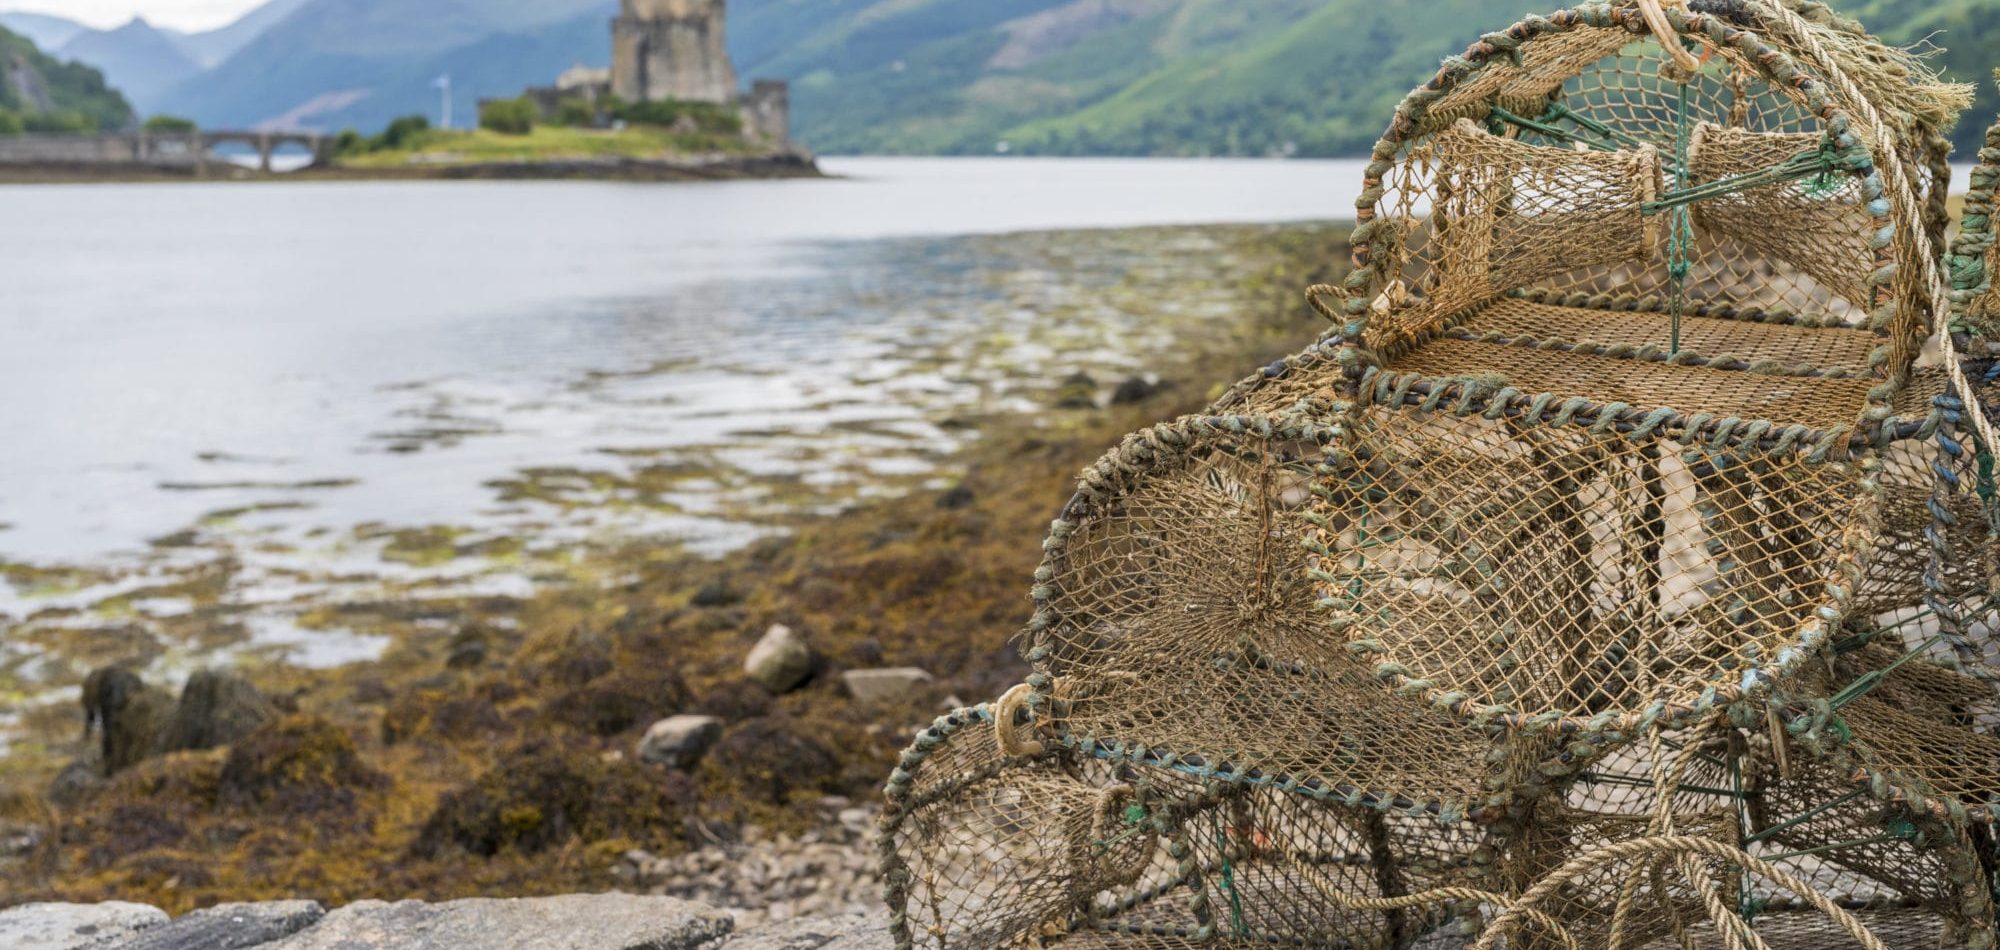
{"x": 169, "y": 125}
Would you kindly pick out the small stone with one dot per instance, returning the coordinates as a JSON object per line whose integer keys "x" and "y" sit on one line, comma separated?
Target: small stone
{"x": 857, "y": 820}
{"x": 892, "y": 683}
{"x": 715, "y": 594}
{"x": 469, "y": 648}
{"x": 679, "y": 741}
{"x": 955, "y": 497}
{"x": 229, "y": 927}
{"x": 1133, "y": 390}
{"x": 780, "y": 661}
{"x": 18, "y": 839}
{"x": 71, "y": 926}
{"x": 1078, "y": 391}
{"x": 78, "y": 781}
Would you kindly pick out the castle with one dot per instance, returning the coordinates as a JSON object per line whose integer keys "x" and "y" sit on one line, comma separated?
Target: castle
{"x": 671, "y": 49}
{"x": 676, "y": 49}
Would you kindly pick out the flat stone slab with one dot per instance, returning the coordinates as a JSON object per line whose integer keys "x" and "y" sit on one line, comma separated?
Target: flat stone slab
{"x": 817, "y": 933}
{"x": 225, "y": 927}
{"x": 74, "y": 926}
{"x": 573, "y": 922}
{"x": 892, "y": 683}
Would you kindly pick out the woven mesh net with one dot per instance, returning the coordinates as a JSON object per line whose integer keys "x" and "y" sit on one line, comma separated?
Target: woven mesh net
{"x": 1620, "y": 571}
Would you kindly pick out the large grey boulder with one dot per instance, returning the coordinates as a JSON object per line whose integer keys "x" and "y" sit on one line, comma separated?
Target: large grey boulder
{"x": 73, "y": 926}
{"x": 224, "y": 927}
{"x": 779, "y": 661}
{"x": 573, "y": 922}
{"x": 816, "y": 933}
{"x": 679, "y": 741}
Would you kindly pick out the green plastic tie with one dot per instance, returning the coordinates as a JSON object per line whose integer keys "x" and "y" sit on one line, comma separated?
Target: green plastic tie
{"x": 1895, "y": 834}
{"x": 1801, "y": 818}
{"x": 1680, "y": 247}
{"x": 1868, "y": 682}
{"x": 1236, "y": 923}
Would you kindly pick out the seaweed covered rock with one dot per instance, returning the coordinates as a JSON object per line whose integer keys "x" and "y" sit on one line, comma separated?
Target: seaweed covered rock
{"x": 572, "y": 656}
{"x": 441, "y": 715}
{"x": 298, "y": 765}
{"x": 619, "y": 701}
{"x": 131, "y": 717}
{"x": 769, "y": 759}
{"x": 547, "y": 792}
{"x": 217, "y": 708}
{"x": 735, "y": 700}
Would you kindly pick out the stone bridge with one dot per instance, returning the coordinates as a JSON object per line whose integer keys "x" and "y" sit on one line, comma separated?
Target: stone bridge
{"x": 181, "y": 150}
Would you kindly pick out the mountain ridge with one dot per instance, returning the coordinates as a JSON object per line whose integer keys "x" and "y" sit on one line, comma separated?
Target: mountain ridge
{"x": 954, "y": 77}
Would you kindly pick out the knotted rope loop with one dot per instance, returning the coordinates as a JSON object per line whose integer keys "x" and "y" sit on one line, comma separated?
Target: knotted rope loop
{"x": 1007, "y": 726}
{"x": 1685, "y": 64}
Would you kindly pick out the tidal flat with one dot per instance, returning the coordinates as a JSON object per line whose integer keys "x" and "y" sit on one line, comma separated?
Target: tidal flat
{"x": 458, "y": 700}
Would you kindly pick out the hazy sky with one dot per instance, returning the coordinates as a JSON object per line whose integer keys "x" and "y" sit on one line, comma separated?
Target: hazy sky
{"x": 179, "y": 14}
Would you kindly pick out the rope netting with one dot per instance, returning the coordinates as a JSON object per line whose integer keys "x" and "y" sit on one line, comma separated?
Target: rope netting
{"x": 1622, "y": 570}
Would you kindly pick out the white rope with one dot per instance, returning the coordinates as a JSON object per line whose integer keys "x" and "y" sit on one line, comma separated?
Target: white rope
{"x": 1907, "y": 205}
{"x": 1669, "y": 38}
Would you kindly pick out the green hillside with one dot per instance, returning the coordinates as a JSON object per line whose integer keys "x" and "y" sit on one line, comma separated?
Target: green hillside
{"x": 40, "y": 94}
{"x": 1078, "y": 77}
{"x": 1171, "y": 77}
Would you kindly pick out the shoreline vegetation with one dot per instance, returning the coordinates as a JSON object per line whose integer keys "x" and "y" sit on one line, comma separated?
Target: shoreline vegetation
{"x": 491, "y": 750}
{"x": 676, "y": 168}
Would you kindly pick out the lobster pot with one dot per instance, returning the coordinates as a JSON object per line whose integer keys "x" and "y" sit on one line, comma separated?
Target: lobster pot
{"x": 1177, "y": 623}
{"x": 1621, "y": 375}
{"x": 1543, "y": 572}
{"x": 1912, "y": 731}
{"x": 982, "y": 850}
{"x": 1911, "y": 880}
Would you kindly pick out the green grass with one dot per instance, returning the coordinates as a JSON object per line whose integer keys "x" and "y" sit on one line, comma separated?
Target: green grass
{"x": 546, "y": 143}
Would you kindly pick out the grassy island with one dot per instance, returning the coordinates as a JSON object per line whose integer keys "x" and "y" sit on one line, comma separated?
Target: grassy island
{"x": 518, "y": 138}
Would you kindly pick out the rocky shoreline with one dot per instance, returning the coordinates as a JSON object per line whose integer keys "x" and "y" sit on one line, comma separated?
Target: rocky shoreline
{"x": 650, "y": 721}
{"x": 570, "y": 922}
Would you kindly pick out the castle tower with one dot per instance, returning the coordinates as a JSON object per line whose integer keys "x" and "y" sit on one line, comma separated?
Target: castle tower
{"x": 671, "y": 49}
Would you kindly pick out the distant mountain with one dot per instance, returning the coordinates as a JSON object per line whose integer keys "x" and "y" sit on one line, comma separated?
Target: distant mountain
{"x": 141, "y": 61}
{"x": 335, "y": 63}
{"x": 210, "y": 48}
{"x": 41, "y": 93}
{"x": 1170, "y": 77}
{"x": 1078, "y": 77}
{"x": 45, "y": 31}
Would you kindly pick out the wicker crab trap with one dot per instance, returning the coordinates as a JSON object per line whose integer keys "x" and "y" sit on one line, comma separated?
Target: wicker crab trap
{"x": 1619, "y": 572}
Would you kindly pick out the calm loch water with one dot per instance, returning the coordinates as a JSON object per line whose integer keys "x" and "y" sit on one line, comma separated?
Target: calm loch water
{"x": 382, "y": 351}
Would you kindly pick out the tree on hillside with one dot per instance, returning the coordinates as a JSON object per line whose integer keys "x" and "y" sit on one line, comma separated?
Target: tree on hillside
{"x": 59, "y": 97}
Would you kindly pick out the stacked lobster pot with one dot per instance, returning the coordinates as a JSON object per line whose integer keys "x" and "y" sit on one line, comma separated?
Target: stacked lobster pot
{"x": 1619, "y": 572}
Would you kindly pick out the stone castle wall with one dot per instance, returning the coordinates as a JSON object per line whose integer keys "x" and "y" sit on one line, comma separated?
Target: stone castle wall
{"x": 672, "y": 49}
